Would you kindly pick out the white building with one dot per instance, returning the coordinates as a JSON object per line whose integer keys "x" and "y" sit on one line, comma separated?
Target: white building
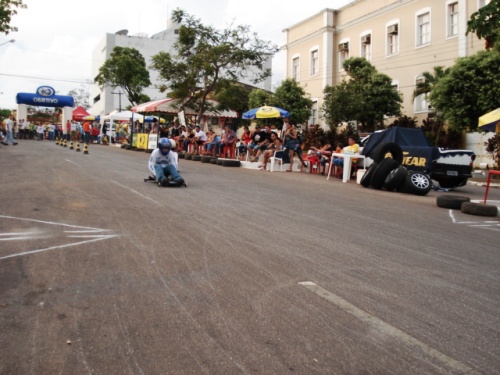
{"x": 104, "y": 101}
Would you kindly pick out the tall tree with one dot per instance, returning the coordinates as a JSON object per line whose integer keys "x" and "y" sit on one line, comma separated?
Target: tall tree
{"x": 485, "y": 23}
{"x": 259, "y": 98}
{"x": 205, "y": 55}
{"x": 126, "y": 68}
{"x": 80, "y": 96}
{"x": 430, "y": 80}
{"x": 292, "y": 97}
{"x": 364, "y": 95}
{"x": 7, "y": 11}
{"x": 471, "y": 89}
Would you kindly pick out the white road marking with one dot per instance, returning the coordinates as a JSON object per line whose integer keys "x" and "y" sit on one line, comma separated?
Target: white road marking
{"x": 72, "y": 162}
{"x": 386, "y": 328}
{"x": 83, "y": 232}
{"x": 135, "y": 192}
{"x": 483, "y": 224}
{"x": 17, "y": 233}
{"x": 56, "y": 247}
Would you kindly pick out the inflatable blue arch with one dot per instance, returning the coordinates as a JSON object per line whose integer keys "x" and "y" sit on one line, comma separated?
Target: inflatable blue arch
{"x": 45, "y": 96}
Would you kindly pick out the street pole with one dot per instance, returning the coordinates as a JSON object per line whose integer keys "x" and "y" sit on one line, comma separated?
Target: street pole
{"x": 119, "y": 99}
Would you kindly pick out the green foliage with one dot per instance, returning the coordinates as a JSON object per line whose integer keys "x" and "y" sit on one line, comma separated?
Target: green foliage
{"x": 259, "y": 98}
{"x": 471, "y": 89}
{"x": 485, "y": 23}
{"x": 365, "y": 96}
{"x": 233, "y": 97}
{"x": 7, "y": 11}
{"x": 404, "y": 122}
{"x": 126, "y": 68}
{"x": 4, "y": 113}
{"x": 291, "y": 97}
{"x": 430, "y": 80}
{"x": 206, "y": 57}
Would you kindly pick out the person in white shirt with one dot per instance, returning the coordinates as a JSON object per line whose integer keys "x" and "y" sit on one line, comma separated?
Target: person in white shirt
{"x": 52, "y": 129}
{"x": 163, "y": 164}
{"x": 199, "y": 139}
{"x": 9, "y": 129}
{"x": 39, "y": 130}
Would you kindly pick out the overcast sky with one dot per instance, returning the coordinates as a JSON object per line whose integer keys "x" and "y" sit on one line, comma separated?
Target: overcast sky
{"x": 55, "y": 40}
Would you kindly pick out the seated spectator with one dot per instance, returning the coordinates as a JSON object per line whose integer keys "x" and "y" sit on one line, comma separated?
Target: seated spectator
{"x": 324, "y": 154}
{"x": 273, "y": 145}
{"x": 245, "y": 139}
{"x": 210, "y": 144}
{"x": 189, "y": 139}
{"x": 353, "y": 148}
{"x": 228, "y": 139}
{"x": 264, "y": 139}
{"x": 199, "y": 139}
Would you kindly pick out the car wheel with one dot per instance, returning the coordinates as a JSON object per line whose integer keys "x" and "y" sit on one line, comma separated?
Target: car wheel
{"x": 417, "y": 183}
{"x": 451, "y": 201}
{"x": 395, "y": 178}
{"x": 381, "y": 151}
{"x": 367, "y": 177}
{"x": 380, "y": 174}
{"x": 479, "y": 209}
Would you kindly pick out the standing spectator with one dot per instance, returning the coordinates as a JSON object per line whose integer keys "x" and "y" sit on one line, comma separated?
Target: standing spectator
{"x": 52, "y": 129}
{"x": 39, "y": 130}
{"x": 291, "y": 142}
{"x": 86, "y": 132}
{"x": 9, "y": 126}
{"x": 95, "y": 133}
{"x": 68, "y": 130}
{"x": 73, "y": 131}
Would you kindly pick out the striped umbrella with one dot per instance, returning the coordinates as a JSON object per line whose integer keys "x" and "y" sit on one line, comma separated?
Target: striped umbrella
{"x": 490, "y": 121}
{"x": 265, "y": 112}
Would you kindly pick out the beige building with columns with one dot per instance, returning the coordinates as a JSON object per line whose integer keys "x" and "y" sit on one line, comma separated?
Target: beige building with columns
{"x": 401, "y": 38}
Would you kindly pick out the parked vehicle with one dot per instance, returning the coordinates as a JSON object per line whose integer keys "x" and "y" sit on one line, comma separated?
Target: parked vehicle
{"x": 450, "y": 168}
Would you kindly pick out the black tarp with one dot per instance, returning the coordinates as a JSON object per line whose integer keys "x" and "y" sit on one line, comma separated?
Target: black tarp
{"x": 418, "y": 153}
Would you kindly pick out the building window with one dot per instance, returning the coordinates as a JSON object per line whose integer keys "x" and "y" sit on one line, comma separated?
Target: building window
{"x": 393, "y": 39}
{"x": 296, "y": 69}
{"x": 366, "y": 46}
{"x": 313, "y": 120}
{"x": 421, "y": 104}
{"x": 314, "y": 63}
{"x": 453, "y": 19}
{"x": 343, "y": 53}
{"x": 423, "y": 29}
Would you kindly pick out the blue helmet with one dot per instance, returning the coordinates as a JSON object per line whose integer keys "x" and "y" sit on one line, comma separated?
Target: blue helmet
{"x": 164, "y": 145}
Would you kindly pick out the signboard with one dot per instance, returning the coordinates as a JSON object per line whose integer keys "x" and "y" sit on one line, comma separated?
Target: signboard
{"x": 153, "y": 141}
{"x": 45, "y": 96}
{"x": 142, "y": 141}
{"x": 182, "y": 118}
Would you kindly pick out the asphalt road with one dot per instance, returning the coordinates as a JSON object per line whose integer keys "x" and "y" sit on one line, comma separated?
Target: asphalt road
{"x": 242, "y": 272}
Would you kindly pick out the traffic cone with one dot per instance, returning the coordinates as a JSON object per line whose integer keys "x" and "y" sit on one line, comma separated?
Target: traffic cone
{"x": 78, "y": 147}
{"x": 86, "y": 148}
{"x": 71, "y": 145}
{"x": 65, "y": 143}
{"x": 57, "y": 141}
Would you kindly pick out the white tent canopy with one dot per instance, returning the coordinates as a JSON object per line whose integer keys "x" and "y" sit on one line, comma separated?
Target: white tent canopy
{"x": 119, "y": 116}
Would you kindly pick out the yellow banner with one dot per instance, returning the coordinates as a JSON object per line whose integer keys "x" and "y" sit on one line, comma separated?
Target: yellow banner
{"x": 142, "y": 141}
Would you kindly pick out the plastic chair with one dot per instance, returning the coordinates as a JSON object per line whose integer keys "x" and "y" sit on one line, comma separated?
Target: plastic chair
{"x": 229, "y": 149}
{"x": 277, "y": 157}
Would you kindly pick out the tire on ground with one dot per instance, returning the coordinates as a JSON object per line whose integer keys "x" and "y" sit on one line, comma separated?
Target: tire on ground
{"x": 380, "y": 152}
{"x": 451, "y": 201}
{"x": 380, "y": 174}
{"x": 181, "y": 155}
{"x": 219, "y": 162}
{"x": 367, "y": 177}
{"x": 213, "y": 160}
{"x": 230, "y": 163}
{"x": 196, "y": 158}
{"x": 395, "y": 178}
{"x": 479, "y": 209}
{"x": 188, "y": 156}
{"x": 206, "y": 159}
{"x": 417, "y": 183}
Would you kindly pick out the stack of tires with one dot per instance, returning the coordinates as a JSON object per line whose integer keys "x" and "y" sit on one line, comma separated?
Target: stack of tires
{"x": 387, "y": 173}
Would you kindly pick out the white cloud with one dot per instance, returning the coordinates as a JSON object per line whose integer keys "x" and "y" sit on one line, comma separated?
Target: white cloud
{"x": 56, "y": 38}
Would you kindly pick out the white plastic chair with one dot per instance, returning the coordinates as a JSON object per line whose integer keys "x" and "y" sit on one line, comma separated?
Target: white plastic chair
{"x": 277, "y": 158}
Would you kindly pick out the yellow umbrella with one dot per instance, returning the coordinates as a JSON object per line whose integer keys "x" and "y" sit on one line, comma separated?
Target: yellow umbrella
{"x": 151, "y": 119}
{"x": 490, "y": 121}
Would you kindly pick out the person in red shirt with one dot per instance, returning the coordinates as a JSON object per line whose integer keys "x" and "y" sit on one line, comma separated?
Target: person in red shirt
{"x": 86, "y": 132}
